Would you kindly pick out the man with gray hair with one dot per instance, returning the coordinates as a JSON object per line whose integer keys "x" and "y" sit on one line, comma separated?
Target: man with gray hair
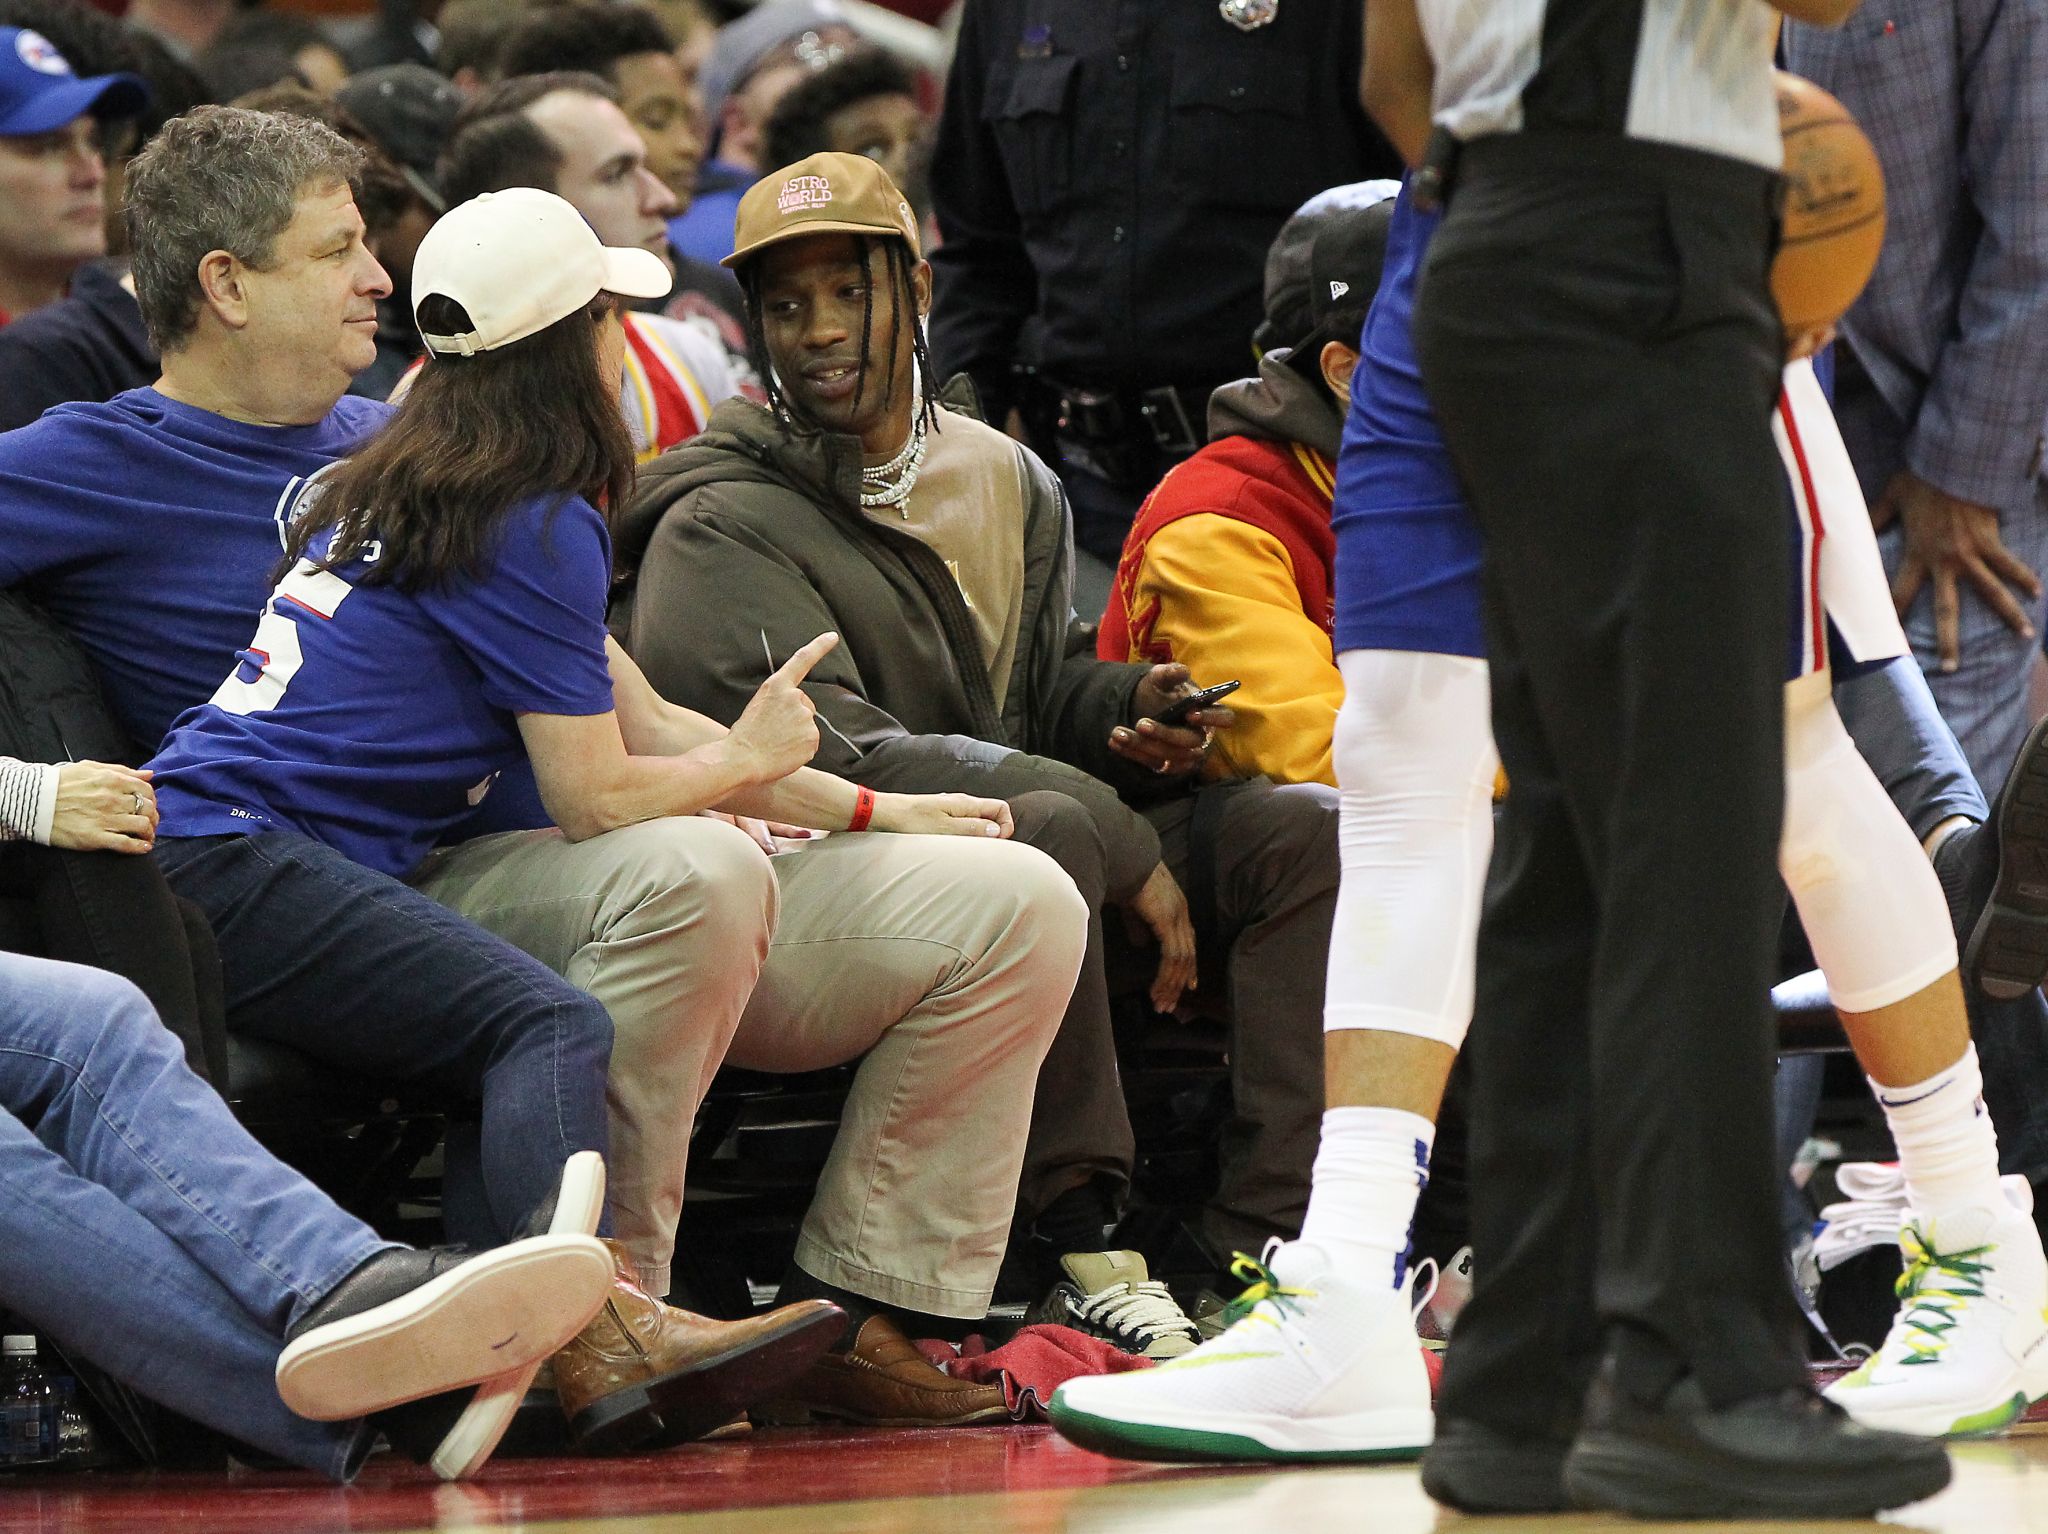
{"x": 150, "y": 526}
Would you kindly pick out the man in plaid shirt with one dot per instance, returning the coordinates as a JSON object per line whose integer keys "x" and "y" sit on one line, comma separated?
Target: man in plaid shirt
{"x": 1943, "y": 382}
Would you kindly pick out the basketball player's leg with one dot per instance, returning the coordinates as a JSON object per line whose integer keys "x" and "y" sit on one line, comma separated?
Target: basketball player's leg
{"x": 1986, "y": 856}
{"x": 1957, "y": 1357}
{"x": 1415, "y": 768}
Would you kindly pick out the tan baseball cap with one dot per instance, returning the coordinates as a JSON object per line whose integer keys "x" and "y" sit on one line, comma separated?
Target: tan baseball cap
{"x": 826, "y": 194}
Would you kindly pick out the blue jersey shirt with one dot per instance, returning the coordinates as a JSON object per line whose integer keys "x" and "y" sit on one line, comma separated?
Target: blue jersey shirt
{"x": 152, "y": 530}
{"x": 1408, "y": 551}
{"x": 374, "y": 720}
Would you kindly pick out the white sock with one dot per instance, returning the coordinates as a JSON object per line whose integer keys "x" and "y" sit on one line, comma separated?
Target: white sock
{"x": 1361, "y": 1203}
{"x": 1948, "y": 1149}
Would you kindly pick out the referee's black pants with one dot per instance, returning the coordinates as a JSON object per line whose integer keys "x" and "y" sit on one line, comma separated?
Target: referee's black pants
{"x": 1596, "y": 334}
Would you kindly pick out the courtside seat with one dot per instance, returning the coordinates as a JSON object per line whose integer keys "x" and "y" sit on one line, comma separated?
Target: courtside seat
{"x": 1807, "y": 1024}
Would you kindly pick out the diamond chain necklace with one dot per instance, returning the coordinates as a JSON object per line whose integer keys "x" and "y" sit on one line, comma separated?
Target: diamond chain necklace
{"x": 890, "y": 484}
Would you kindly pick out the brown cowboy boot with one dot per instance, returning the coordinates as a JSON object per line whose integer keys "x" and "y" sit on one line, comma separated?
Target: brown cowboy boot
{"x": 646, "y": 1375}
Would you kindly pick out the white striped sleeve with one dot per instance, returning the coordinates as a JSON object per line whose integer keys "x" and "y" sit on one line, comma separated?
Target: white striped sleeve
{"x": 28, "y": 800}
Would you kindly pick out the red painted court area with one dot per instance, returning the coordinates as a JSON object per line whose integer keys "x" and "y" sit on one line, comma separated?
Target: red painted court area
{"x": 860, "y": 1481}
{"x": 785, "y": 1467}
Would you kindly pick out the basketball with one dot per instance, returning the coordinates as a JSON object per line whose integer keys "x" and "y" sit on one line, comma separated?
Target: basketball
{"x": 1834, "y": 208}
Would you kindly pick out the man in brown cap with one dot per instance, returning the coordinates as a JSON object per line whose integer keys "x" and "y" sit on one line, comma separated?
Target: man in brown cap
{"x": 940, "y": 550}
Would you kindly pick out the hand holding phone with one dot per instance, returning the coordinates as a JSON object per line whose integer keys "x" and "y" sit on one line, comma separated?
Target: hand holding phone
{"x": 1195, "y": 702}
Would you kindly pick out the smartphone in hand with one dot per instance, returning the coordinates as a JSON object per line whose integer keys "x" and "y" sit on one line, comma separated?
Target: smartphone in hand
{"x": 1194, "y": 702}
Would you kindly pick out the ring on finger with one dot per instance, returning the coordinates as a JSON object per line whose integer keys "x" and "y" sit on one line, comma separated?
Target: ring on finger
{"x": 136, "y": 800}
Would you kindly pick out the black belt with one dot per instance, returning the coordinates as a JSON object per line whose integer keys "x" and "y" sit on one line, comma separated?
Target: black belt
{"x": 1171, "y": 418}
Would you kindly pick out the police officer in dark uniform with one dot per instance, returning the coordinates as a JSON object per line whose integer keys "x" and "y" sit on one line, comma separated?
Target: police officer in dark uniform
{"x": 1107, "y": 178}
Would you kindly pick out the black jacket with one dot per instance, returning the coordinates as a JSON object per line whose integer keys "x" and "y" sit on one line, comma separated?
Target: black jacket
{"x": 51, "y": 709}
{"x": 89, "y": 345}
{"x": 1109, "y": 173}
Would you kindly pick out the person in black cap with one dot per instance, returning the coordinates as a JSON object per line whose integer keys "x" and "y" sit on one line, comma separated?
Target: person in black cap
{"x": 409, "y": 111}
{"x": 1228, "y": 567}
{"x": 52, "y": 170}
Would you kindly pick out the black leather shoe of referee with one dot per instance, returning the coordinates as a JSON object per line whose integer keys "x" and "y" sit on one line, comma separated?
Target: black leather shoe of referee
{"x": 2006, "y": 954}
{"x": 1789, "y": 1454}
{"x": 1475, "y": 1469}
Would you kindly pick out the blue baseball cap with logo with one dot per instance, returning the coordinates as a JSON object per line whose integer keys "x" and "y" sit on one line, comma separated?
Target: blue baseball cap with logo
{"x": 40, "y": 94}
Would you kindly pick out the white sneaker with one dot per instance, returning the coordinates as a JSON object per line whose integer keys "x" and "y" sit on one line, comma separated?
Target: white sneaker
{"x": 1968, "y": 1352}
{"x": 1113, "y": 1296}
{"x": 1315, "y": 1366}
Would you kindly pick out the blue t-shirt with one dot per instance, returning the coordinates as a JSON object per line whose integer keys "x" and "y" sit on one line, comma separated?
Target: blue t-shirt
{"x": 704, "y": 231}
{"x": 372, "y": 719}
{"x": 152, "y": 530}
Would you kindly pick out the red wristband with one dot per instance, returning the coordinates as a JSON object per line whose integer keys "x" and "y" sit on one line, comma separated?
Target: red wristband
{"x": 863, "y": 809}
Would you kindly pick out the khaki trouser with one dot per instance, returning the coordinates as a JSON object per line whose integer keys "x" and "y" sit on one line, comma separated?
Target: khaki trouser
{"x": 945, "y": 961}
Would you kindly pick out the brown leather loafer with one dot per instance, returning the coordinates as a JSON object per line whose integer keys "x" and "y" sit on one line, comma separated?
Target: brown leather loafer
{"x": 647, "y": 1375}
{"x": 884, "y": 1382}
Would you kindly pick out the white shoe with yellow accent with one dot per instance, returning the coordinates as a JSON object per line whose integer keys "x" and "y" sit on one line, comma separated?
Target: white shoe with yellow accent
{"x": 1314, "y": 1366}
{"x": 1968, "y": 1351}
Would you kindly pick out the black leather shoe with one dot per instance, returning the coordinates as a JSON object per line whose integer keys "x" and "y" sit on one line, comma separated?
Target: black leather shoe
{"x": 389, "y": 1275}
{"x": 1788, "y": 1454}
{"x": 2006, "y": 952}
{"x": 410, "y": 1324}
{"x": 1475, "y": 1469}
{"x": 575, "y": 1204}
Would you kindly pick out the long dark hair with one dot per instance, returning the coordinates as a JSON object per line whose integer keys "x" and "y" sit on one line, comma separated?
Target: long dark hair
{"x": 475, "y": 437}
{"x": 896, "y": 259}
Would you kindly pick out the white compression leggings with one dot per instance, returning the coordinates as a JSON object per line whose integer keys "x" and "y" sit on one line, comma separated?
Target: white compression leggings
{"x": 1415, "y": 765}
{"x": 1868, "y": 897}
{"x": 1415, "y": 769}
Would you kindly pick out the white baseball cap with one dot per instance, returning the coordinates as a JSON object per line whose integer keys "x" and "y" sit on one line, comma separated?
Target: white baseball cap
{"x": 519, "y": 260}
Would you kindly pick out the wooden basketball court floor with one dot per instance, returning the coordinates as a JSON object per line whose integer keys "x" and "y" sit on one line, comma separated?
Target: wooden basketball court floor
{"x": 969, "y": 1481}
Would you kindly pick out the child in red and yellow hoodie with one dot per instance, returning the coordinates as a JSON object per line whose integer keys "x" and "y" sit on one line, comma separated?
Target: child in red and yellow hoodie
{"x": 1227, "y": 568}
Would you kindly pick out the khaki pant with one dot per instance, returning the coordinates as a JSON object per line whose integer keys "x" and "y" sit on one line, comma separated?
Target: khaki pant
{"x": 945, "y": 961}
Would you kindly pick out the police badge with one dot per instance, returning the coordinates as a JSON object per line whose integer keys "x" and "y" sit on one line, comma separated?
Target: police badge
{"x": 1249, "y": 15}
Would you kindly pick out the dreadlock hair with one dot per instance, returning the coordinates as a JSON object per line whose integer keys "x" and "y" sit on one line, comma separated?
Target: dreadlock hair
{"x": 896, "y": 258}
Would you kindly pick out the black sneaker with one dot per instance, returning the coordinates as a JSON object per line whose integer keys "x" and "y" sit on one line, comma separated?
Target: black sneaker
{"x": 1787, "y": 1454}
{"x": 1112, "y": 1295}
{"x": 2006, "y": 954}
{"x": 410, "y": 1324}
{"x": 1475, "y": 1469}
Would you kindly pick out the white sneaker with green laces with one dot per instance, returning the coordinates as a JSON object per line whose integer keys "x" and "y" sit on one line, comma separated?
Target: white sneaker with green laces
{"x": 1314, "y": 1366}
{"x": 1968, "y": 1351}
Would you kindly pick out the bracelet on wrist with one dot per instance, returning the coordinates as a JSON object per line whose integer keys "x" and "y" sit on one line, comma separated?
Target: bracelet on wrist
{"x": 863, "y": 809}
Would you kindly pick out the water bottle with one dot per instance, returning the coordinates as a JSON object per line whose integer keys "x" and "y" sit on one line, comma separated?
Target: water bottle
{"x": 28, "y": 1405}
{"x": 78, "y": 1441}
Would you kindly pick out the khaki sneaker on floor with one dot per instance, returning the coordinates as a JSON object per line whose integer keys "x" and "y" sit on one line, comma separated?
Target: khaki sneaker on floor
{"x": 1112, "y": 1295}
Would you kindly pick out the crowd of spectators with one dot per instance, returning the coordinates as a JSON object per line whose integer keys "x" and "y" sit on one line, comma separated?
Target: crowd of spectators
{"x": 592, "y": 296}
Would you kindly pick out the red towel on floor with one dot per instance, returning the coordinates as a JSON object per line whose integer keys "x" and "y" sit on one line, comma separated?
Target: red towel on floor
{"x": 1031, "y": 1365}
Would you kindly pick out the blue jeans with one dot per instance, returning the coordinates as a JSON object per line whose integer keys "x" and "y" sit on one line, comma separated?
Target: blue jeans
{"x": 142, "y": 1228}
{"x": 361, "y": 972}
{"x": 1891, "y": 715}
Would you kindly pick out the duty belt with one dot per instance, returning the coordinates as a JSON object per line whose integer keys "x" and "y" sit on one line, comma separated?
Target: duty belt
{"x": 1168, "y": 417}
